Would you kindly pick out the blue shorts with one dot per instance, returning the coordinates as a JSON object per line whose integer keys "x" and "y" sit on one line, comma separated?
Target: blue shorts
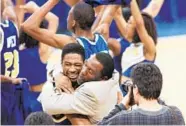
{"x": 13, "y": 109}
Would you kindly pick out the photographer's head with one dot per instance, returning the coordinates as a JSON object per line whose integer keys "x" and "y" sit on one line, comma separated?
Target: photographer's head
{"x": 39, "y": 118}
{"x": 147, "y": 79}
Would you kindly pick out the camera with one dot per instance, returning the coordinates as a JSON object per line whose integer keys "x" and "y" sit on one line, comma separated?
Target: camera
{"x": 125, "y": 87}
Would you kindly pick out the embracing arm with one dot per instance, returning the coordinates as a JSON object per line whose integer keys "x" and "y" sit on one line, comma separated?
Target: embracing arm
{"x": 147, "y": 40}
{"x": 80, "y": 102}
{"x": 31, "y": 26}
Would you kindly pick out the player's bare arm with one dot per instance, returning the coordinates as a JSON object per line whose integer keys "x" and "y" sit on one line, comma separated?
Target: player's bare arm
{"x": 31, "y": 26}
{"x": 5, "y": 79}
{"x": 120, "y": 22}
{"x": 8, "y": 11}
{"x": 148, "y": 42}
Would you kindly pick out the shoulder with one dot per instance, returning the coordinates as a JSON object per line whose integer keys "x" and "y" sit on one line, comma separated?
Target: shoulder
{"x": 123, "y": 117}
{"x": 177, "y": 111}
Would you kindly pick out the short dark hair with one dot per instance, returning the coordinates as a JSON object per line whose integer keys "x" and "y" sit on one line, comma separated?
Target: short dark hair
{"x": 28, "y": 40}
{"x": 150, "y": 26}
{"x": 108, "y": 64}
{"x": 148, "y": 78}
{"x": 39, "y": 118}
{"x": 73, "y": 48}
{"x": 84, "y": 15}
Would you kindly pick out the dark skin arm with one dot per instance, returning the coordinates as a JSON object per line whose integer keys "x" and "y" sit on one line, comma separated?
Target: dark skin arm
{"x": 31, "y": 26}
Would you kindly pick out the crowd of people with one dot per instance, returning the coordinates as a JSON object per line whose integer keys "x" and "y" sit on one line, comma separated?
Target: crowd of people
{"x": 88, "y": 77}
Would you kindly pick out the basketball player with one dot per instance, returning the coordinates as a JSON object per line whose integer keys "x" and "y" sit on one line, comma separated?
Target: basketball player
{"x": 80, "y": 20}
{"x": 11, "y": 113}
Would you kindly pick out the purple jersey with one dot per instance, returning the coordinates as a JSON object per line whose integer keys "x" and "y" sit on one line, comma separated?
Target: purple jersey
{"x": 9, "y": 49}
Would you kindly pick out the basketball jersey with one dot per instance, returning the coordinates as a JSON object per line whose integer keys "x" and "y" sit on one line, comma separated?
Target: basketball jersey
{"x": 93, "y": 47}
{"x": 9, "y": 49}
{"x": 133, "y": 55}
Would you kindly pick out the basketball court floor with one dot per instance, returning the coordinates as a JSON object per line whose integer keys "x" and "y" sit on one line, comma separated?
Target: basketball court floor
{"x": 171, "y": 59}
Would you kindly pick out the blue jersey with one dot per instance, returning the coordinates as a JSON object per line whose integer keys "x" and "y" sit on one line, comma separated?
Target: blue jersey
{"x": 9, "y": 49}
{"x": 32, "y": 67}
{"x": 93, "y": 46}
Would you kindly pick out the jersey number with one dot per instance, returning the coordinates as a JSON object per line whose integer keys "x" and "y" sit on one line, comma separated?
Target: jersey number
{"x": 11, "y": 59}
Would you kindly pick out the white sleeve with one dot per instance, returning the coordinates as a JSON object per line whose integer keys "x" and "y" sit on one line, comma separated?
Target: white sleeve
{"x": 1, "y": 39}
{"x": 81, "y": 102}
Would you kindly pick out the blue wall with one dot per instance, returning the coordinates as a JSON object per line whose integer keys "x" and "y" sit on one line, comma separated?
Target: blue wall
{"x": 170, "y": 21}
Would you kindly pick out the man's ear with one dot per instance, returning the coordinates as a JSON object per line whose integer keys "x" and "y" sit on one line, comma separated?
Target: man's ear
{"x": 73, "y": 23}
{"x": 135, "y": 91}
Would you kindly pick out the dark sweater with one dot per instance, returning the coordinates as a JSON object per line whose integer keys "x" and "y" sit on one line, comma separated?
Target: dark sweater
{"x": 168, "y": 115}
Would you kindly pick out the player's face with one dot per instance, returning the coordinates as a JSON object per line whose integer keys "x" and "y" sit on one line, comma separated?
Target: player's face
{"x": 91, "y": 71}
{"x": 130, "y": 28}
{"x": 70, "y": 20}
{"x": 72, "y": 64}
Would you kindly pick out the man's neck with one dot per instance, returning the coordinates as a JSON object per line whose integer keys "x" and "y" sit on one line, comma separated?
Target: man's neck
{"x": 82, "y": 33}
{"x": 149, "y": 105}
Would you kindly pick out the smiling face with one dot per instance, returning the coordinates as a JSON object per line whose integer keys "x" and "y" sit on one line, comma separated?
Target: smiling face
{"x": 72, "y": 64}
{"x": 91, "y": 70}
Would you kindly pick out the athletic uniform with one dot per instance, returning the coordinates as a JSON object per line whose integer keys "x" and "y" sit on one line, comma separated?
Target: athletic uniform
{"x": 11, "y": 102}
{"x": 133, "y": 54}
{"x": 91, "y": 47}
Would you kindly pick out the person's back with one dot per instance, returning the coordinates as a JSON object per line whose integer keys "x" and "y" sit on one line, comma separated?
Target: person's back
{"x": 165, "y": 116}
{"x": 91, "y": 47}
{"x": 144, "y": 91}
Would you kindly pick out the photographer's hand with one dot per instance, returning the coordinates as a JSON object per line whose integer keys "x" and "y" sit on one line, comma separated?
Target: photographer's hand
{"x": 126, "y": 100}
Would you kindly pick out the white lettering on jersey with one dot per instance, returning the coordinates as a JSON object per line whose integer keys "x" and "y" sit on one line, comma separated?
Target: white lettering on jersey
{"x": 11, "y": 41}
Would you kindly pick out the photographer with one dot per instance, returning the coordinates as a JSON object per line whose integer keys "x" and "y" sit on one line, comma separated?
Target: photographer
{"x": 146, "y": 88}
